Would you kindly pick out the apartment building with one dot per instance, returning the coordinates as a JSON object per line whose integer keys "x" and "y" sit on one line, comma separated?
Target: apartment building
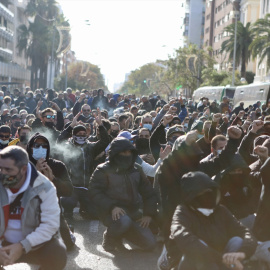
{"x": 13, "y": 65}
{"x": 218, "y": 15}
{"x": 193, "y": 22}
{"x": 262, "y": 74}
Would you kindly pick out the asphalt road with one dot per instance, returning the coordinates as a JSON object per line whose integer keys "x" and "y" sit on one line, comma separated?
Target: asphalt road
{"x": 89, "y": 254}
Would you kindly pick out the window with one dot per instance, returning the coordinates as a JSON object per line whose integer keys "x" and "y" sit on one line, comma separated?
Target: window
{"x": 207, "y": 30}
{"x": 208, "y": 17}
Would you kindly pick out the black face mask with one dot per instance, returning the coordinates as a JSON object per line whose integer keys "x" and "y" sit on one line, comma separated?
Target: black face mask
{"x": 49, "y": 124}
{"x": 206, "y": 200}
{"x": 172, "y": 141}
{"x": 123, "y": 163}
{"x": 24, "y": 139}
{"x": 142, "y": 145}
{"x": 114, "y": 133}
{"x": 17, "y": 124}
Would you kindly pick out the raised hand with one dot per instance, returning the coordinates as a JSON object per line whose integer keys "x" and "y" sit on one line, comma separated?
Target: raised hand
{"x": 167, "y": 118}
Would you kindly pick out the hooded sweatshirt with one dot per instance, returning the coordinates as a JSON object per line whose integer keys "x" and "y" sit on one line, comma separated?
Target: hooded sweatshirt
{"x": 110, "y": 187}
{"x": 190, "y": 227}
{"x": 62, "y": 180}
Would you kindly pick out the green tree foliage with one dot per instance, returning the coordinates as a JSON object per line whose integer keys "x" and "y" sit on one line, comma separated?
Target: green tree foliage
{"x": 260, "y": 46}
{"x": 36, "y": 38}
{"x": 244, "y": 37}
{"x": 212, "y": 77}
{"x": 81, "y": 75}
{"x": 142, "y": 81}
{"x": 186, "y": 68}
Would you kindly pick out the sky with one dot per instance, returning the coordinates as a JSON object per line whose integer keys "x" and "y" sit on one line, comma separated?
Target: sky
{"x": 123, "y": 34}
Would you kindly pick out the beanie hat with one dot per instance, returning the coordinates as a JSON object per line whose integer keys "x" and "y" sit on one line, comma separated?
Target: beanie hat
{"x": 78, "y": 129}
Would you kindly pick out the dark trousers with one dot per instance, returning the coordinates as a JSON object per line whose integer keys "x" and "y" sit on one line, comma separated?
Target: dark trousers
{"x": 80, "y": 194}
{"x": 186, "y": 263}
{"x": 131, "y": 230}
{"x": 50, "y": 256}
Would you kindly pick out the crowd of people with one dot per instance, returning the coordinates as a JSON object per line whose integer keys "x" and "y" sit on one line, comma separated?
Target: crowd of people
{"x": 192, "y": 174}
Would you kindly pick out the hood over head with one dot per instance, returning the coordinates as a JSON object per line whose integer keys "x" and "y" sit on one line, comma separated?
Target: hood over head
{"x": 119, "y": 145}
{"x": 237, "y": 163}
{"x": 194, "y": 184}
{"x": 30, "y": 145}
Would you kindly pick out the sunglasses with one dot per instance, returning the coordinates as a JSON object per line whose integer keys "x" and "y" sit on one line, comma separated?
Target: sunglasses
{"x": 50, "y": 116}
{"x": 4, "y": 136}
{"x": 86, "y": 110}
{"x": 43, "y": 145}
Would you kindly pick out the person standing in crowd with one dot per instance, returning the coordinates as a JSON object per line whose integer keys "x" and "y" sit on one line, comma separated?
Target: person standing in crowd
{"x": 100, "y": 101}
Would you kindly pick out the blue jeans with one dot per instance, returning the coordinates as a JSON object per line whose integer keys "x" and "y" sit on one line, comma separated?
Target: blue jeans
{"x": 79, "y": 194}
{"x": 186, "y": 263}
{"x": 131, "y": 230}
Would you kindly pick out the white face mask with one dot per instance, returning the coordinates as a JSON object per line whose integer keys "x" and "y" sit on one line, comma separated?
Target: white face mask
{"x": 219, "y": 152}
{"x": 205, "y": 211}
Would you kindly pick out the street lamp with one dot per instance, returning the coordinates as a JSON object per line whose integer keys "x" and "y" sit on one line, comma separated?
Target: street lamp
{"x": 235, "y": 37}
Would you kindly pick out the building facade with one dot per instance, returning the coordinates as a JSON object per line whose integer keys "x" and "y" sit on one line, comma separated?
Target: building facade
{"x": 262, "y": 74}
{"x": 13, "y": 64}
{"x": 218, "y": 15}
{"x": 193, "y": 22}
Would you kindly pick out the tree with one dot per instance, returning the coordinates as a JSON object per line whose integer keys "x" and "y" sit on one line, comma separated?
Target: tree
{"x": 260, "y": 46}
{"x": 186, "y": 68}
{"x": 81, "y": 75}
{"x": 244, "y": 37}
{"x": 142, "y": 80}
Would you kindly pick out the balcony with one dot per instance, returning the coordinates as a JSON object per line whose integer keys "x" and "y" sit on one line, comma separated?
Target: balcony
{"x": 6, "y": 54}
{"x": 6, "y": 13}
{"x": 6, "y": 33}
{"x": 14, "y": 71}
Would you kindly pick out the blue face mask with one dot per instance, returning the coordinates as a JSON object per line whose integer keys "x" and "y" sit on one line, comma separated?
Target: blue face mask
{"x": 199, "y": 136}
{"x": 148, "y": 126}
{"x": 39, "y": 153}
{"x": 1, "y": 97}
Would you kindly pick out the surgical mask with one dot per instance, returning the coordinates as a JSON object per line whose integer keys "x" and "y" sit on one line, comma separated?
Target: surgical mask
{"x": 219, "y": 152}
{"x": 199, "y": 136}
{"x": 79, "y": 139}
{"x": 1, "y": 97}
{"x": 26, "y": 98}
{"x": 9, "y": 181}
{"x": 39, "y": 153}
{"x": 148, "y": 126}
{"x": 186, "y": 125}
{"x": 64, "y": 114}
{"x": 206, "y": 212}
{"x": 155, "y": 97}
{"x": 4, "y": 142}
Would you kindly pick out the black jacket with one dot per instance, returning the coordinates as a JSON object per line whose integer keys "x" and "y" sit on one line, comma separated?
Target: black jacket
{"x": 184, "y": 159}
{"x": 80, "y": 158}
{"x": 239, "y": 193}
{"x": 262, "y": 221}
{"x": 110, "y": 187}
{"x": 62, "y": 180}
{"x": 189, "y": 226}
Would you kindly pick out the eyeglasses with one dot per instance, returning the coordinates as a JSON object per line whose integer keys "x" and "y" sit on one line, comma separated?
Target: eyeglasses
{"x": 4, "y": 136}
{"x": 50, "y": 116}
{"x": 43, "y": 145}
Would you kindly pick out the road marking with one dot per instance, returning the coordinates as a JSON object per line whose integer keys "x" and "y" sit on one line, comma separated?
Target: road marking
{"x": 93, "y": 228}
